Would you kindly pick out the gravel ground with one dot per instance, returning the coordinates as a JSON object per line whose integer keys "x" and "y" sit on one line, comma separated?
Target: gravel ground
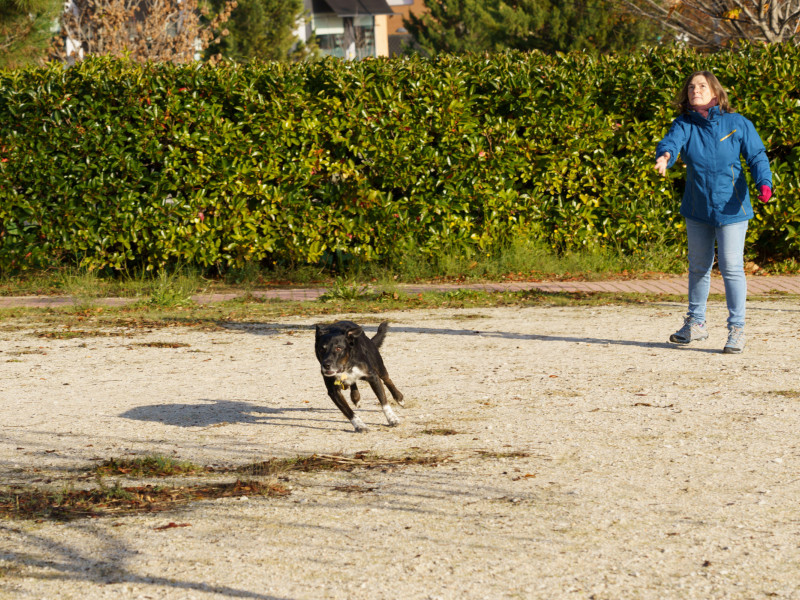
{"x": 588, "y": 459}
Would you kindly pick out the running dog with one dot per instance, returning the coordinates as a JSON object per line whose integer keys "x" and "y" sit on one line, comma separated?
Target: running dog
{"x": 346, "y": 355}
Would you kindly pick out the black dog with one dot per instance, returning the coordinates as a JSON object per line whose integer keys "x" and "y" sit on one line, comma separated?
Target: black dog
{"x": 346, "y": 355}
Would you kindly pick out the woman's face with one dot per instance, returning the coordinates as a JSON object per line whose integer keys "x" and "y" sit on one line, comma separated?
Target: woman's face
{"x": 700, "y": 92}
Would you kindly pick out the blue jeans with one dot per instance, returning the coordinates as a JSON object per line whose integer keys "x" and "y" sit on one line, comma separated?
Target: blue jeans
{"x": 730, "y": 247}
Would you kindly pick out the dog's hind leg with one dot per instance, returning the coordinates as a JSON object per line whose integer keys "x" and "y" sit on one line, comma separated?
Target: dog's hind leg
{"x": 339, "y": 400}
{"x": 377, "y": 387}
{"x": 355, "y": 395}
{"x": 396, "y": 394}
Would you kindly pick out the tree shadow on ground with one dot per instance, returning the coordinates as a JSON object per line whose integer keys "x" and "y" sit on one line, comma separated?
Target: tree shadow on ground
{"x": 207, "y": 413}
{"x": 62, "y": 561}
{"x": 276, "y": 328}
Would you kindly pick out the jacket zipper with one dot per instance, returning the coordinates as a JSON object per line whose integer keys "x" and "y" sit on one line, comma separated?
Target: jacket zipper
{"x": 733, "y": 183}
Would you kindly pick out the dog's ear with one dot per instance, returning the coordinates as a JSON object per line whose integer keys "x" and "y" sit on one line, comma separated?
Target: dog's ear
{"x": 353, "y": 333}
{"x": 319, "y": 330}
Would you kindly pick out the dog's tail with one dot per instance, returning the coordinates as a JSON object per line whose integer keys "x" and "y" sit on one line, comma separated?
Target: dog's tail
{"x": 379, "y": 337}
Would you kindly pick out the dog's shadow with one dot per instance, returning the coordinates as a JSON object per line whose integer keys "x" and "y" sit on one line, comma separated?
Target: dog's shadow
{"x": 209, "y": 413}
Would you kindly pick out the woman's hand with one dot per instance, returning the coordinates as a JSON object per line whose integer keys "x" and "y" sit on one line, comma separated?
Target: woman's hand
{"x": 661, "y": 163}
{"x": 765, "y": 193}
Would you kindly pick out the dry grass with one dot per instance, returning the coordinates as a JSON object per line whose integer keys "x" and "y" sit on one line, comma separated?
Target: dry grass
{"x": 149, "y": 466}
{"x": 37, "y": 504}
{"x": 336, "y": 462}
{"x": 440, "y": 431}
{"x": 793, "y": 394}
{"x": 29, "y": 502}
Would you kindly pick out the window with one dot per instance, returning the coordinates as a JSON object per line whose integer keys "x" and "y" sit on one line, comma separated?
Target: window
{"x": 346, "y": 37}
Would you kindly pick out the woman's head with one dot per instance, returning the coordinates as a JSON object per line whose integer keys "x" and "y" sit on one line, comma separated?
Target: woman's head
{"x": 699, "y": 89}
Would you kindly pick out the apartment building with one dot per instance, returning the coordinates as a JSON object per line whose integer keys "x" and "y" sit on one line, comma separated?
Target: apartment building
{"x": 358, "y": 29}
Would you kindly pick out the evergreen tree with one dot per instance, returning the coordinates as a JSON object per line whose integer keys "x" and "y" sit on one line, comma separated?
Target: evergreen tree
{"x": 260, "y": 29}
{"x": 601, "y": 25}
{"x": 26, "y": 31}
{"x": 454, "y": 26}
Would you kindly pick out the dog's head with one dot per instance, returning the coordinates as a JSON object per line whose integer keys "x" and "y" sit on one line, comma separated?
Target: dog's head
{"x": 333, "y": 346}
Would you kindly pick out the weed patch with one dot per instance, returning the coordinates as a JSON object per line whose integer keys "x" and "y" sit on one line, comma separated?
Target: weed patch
{"x": 149, "y": 466}
{"x": 511, "y": 454}
{"x": 34, "y": 503}
{"x": 10, "y": 569}
{"x": 162, "y": 345}
{"x": 335, "y": 462}
{"x": 71, "y": 334}
{"x": 440, "y": 431}
{"x": 343, "y": 290}
{"x": 354, "y": 489}
{"x": 793, "y": 394}
{"x": 37, "y": 504}
{"x": 467, "y": 317}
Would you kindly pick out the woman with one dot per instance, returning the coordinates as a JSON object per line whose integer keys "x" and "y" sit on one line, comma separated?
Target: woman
{"x": 710, "y": 138}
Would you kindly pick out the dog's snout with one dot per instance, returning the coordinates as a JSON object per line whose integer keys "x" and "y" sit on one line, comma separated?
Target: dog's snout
{"x": 328, "y": 366}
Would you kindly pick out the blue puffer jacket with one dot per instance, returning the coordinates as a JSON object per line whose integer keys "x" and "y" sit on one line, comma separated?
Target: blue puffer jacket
{"x": 716, "y": 187}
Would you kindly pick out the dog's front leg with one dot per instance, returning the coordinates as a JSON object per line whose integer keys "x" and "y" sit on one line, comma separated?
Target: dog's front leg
{"x": 338, "y": 398}
{"x": 355, "y": 395}
{"x": 377, "y": 387}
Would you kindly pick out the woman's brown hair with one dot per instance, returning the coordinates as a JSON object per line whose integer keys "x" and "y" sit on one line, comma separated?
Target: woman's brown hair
{"x": 682, "y": 101}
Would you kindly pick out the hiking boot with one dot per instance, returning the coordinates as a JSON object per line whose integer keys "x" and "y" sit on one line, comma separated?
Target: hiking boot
{"x": 692, "y": 331}
{"x": 735, "y": 343}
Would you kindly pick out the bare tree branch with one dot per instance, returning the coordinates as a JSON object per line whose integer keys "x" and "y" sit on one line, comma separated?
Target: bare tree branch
{"x": 163, "y": 30}
{"x": 716, "y": 24}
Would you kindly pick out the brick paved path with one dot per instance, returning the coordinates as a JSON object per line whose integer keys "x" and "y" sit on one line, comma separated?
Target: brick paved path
{"x": 674, "y": 285}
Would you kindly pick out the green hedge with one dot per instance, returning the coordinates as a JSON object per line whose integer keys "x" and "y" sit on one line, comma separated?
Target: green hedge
{"x": 114, "y": 164}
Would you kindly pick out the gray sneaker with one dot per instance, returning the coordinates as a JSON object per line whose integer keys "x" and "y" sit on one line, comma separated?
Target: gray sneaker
{"x": 692, "y": 331}
{"x": 735, "y": 343}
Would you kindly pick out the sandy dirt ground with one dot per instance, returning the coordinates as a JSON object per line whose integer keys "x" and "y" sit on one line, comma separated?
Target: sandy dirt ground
{"x": 588, "y": 459}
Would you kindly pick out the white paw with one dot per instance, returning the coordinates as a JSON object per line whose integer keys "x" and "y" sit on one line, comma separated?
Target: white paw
{"x": 359, "y": 425}
{"x": 390, "y": 416}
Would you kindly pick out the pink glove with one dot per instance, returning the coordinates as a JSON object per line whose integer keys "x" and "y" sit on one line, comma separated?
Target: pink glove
{"x": 765, "y": 193}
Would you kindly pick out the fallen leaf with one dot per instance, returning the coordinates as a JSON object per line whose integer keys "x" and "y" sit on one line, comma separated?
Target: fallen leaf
{"x": 171, "y": 525}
